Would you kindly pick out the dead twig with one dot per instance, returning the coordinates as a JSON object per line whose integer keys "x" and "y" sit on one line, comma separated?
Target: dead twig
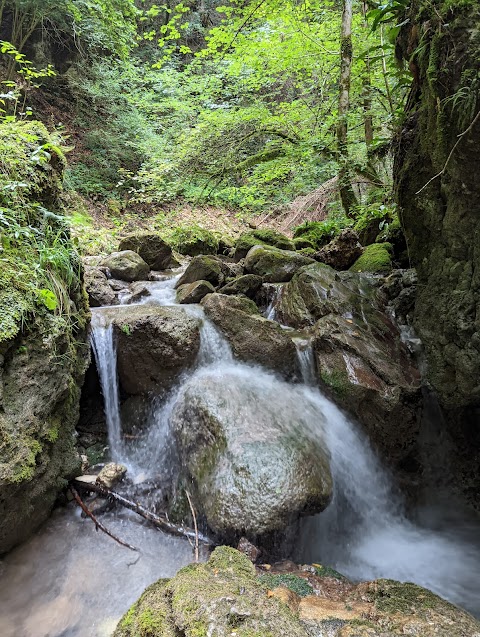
{"x": 194, "y": 524}
{"x": 160, "y": 522}
{"x": 98, "y": 525}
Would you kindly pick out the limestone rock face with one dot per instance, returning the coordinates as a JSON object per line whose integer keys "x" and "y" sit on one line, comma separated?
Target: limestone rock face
{"x": 225, "y": 592}
{"x": 194, "y": 292}
{"x": 98, "y": 289}
{"x": 126, "y": 266}
{"x": 273, "y": 264}
{"x": 341, "y": 252}
{"x": 39, "y": 399}
{"x": 254, "y": 468}
{"x": 154, "y": 345}
{"x": 253, "y": 338}
{"x": 151, "y": 247}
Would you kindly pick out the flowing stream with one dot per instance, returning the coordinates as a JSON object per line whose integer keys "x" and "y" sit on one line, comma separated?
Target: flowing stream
{"x": 68, "y": 581}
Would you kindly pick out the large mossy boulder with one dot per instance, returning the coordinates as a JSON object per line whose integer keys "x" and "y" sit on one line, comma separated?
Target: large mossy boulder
{"x": 97, "y": 287}
{"x": 154, "y": 346}
{"x": 252, "y": 337}
{"x": 248, "y": 240}
{"x": 225, "y": 596}
{"x": 204, "y": 268}
{"x": 251, "y": 462}
{"x": 126, "y": 266}
{"x": 151, "y": 247}
{"x": 194, "y": 240}
{"x": 317, "y": 290}
{"x": 341, "y": 252}
{"x": 376, "y": 258}
{"x": 274, "y": 265}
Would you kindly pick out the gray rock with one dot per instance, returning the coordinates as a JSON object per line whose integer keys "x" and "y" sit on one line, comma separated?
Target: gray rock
{"x": 97, "y": 287}
{"x": 151, "y": 247}
{"x": 341, "y": 252}
{"x": 111, "y": 474}
{"x": 194, "y": 292}
{"x": 154, "y": 345}
{"x": 126, "y": 265}
{"x": 273, "y": 264}
{"x": 203, "y": 268}
{"x": 253, "y": 338}
{"x": 247, "y": 450}
{"x": 248, "y": 284}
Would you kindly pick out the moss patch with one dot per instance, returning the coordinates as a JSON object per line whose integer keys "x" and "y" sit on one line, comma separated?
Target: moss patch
{"x": 294, "y": 583}
{"x": 375, "y": 258}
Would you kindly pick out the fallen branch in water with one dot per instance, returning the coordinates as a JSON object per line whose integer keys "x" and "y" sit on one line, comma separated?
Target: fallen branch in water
{"x": 160, "y": 522}
{"x": 194, "y": 524}
{"x": 98, "y": 525}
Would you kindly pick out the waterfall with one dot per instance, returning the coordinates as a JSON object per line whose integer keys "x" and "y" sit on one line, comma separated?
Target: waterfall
{"x": 103, "y": 345}
{"x": 364, "y": 532}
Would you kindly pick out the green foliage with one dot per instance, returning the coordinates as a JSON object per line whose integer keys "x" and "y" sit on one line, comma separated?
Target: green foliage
{"x": 39, "y": 268}
{"x": 317, "y": 234}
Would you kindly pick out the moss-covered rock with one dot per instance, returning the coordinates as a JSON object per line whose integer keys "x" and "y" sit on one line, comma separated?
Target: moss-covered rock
{"x": 376, "y": 259}
{"x": 247, "y": 284}
{"x": 252, "y": 337}
{"x": 274, "y": 265}
{"x": 317, "y": 233}
{"x": 342, "y": 251}
{"x": 126, "y": 266}
{"x": 193, "y": 292}
{"x": 247, "y": 240}
{"x": 204, "y": 268}
{"x": 193, "y": 240}
{"x": 151, "y": 247}
{"x": 222, "y": 596}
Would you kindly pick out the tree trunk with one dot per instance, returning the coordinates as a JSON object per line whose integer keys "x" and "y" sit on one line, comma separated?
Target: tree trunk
{"x": 349, "y": 201}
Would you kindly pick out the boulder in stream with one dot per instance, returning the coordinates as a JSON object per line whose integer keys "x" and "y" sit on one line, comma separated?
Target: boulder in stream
{"x": 126, "y": 265}
{"x": 154, "y": 345}
{"x": 273, "y": 264}
{"x": 151, "y": 247}
{"x": 247, "y": 284}
{"x": 193, "y": 292}
{"x": 203, "y": 268}
{"x": 252, "y": 337}
{"x": 253, "y": 465}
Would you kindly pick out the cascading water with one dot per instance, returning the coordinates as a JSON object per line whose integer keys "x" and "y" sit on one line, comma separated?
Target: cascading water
{"x": 363, "y": 533}
{"x": 103, "y": 345}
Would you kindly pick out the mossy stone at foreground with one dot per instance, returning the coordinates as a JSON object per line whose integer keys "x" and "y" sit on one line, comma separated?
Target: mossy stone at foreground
{"x": 375, "y": 259}
{"x": 220, "y": 597}
{"x": 224, "y": 598}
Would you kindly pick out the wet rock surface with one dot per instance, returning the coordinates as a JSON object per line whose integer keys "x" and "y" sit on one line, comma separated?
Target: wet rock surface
{"x": 204, "y": 268}
{"x": 341, "y": 252}
{"x": 151, "y": 248}
{"x": 225, "y": 595}
{"x": 98, "y": 288}
{"x": 126, "y": 266}
{"x": 247, "y": 284}
{"x": 255, "y": 470}
{"x": 273, "y": 264}
{"x": 193, "y": 292}
{"x": 252, "y": 337}
{"x": 155, "y": 344}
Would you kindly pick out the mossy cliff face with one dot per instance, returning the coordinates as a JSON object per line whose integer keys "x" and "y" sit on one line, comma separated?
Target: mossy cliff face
{"x": 436, "y": 174}
{"x": 43, "y": 351}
